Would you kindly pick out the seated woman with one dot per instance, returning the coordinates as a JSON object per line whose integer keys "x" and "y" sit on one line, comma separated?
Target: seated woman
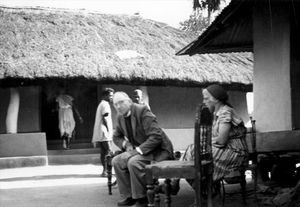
{"x": 229, "y": 149}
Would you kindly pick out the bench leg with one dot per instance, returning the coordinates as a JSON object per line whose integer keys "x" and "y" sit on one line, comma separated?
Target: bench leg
{"x": 168, "y": 192}
{"x": 243, "y": 185}
{"x": 156, "y": 193}
{"x": 209, "y": 191}
{"x": 254, "y": 177}
{"x": 150, "y": 194}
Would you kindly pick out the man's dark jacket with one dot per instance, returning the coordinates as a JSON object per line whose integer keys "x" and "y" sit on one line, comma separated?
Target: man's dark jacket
{"x": 146, "y": 132}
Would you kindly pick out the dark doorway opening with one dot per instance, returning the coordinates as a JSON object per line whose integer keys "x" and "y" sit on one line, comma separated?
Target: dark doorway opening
{"x": 85, "y": 100}
{"x": 49, "y": 118}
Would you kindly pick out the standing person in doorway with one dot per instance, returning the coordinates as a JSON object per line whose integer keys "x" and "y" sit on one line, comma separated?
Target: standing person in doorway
{"x": 138, "y": 97}
{"x": 66, "y": 121}
{"x": 103, "y": 127}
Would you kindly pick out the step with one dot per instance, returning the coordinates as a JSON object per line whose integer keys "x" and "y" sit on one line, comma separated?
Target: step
{"x": 75, "y": 144}
{"x": 74, "y": 151}
{"x": 74, "y": 159}
{"x": 17, "y": 162}
{"x": 57, "y": 141}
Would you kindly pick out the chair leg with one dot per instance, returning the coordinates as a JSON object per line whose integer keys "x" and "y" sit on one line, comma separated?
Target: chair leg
{"x": 168, "y": 193}
{"x": 109, "y": 173}
{"x": 150, "y": 193}
{"x": 156, "y": 193}
{"x": 243, "y": 186}
{"x": 254, "y": 177}
{"x": 222, "y": 192}
{"x": 209, "y": 192}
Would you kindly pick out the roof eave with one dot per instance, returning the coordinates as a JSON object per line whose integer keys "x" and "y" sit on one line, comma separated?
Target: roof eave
{"x": 222, "y": 49}
{"x": 205, "y": 42}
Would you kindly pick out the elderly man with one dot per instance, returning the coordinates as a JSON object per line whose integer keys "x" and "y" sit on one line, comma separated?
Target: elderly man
{"x": 137, "y": 133}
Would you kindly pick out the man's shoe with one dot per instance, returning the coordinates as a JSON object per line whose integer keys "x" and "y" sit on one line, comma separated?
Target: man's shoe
{"x": 127, "y": 202}
{"x": 141, "y": 202}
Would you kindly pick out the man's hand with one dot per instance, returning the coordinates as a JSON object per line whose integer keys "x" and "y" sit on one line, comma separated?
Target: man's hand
{"x": 128, "y": 147}
{"x": 130, "y": 154}
{"x": 133, "y": 152}
{"x": 104, "y": 121}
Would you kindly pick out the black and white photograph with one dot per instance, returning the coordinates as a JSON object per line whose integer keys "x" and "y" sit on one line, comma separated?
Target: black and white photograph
{"x": 149, "y": 103}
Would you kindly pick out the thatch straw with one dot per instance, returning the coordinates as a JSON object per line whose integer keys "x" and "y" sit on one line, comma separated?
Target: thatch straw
{"x": 44, "y": 43}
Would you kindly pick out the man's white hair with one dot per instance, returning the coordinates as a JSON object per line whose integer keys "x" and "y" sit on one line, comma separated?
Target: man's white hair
{"x": 120, "y": 96}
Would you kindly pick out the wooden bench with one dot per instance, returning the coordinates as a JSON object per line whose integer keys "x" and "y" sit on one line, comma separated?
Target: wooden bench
{"x": 273, "y": 146}
{"x": 278, "y": 141}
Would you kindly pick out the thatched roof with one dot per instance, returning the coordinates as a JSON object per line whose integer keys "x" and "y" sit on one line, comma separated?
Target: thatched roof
{"x": 43, "y": 43}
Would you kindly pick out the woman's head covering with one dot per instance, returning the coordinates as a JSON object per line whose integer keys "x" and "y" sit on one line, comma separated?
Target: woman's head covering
{"x": 218, "y": 92}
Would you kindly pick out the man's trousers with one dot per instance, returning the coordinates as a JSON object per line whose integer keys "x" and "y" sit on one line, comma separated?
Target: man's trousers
{"x": 130, "y": 174}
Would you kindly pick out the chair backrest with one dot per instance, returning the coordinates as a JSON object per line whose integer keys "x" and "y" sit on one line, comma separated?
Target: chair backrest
{"x": 202, "y": 136}
{"x": 253, "y": 152}
{"x": 202, "y": 144}
{"x": 253, "y": 134}
{"x": 251, "y": 138}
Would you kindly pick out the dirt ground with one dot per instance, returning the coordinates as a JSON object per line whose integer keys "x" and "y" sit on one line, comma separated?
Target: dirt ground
{"x": 81, "y": 185}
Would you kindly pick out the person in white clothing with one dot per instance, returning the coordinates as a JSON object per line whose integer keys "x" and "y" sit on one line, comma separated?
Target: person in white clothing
{"x": 66, "y": 121}
{"x": 103, "y": 127}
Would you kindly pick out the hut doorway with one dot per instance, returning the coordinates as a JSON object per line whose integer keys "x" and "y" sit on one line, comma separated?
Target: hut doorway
{"x": 85, "y": 100}
{"x": 49, "y": 117}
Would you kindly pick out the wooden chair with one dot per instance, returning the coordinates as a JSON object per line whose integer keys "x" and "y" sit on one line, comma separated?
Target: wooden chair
{"x": 185, "y": 169}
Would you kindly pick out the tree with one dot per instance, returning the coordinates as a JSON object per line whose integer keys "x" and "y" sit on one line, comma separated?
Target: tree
{"x": 210, "y": 5}
{"x": 196, "y": 23}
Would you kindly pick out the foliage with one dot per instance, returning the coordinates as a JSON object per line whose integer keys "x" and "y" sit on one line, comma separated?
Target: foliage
{"x": 210, "y": 5}
{"x": 195, "y": 24}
